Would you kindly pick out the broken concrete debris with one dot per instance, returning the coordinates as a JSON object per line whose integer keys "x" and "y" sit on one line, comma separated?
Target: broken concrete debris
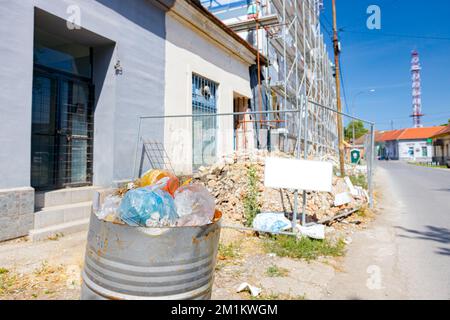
{"x": 342, "y": 198}
{"x": 228, "y": 183}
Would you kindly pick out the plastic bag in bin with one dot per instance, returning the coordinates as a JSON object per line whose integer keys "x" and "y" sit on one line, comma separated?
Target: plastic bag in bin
{"x": 147, "y": 207}
{"x": 162, "y": 179}
{"x": 109, "y": 209}
{"x": 195, "y": 205}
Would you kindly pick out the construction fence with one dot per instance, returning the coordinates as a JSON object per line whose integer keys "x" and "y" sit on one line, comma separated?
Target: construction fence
{"x": 190, "y": 143}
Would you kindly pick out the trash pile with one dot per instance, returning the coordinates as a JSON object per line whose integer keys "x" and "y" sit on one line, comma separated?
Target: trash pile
{"x": 158, "y": 199}
{"x": 228, "y": 183}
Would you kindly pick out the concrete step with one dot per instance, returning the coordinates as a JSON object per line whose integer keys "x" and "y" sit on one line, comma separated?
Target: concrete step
{"x": 56, "y": 215}
{"x": 66, "y": 196}
{"x": 59, "y": 230}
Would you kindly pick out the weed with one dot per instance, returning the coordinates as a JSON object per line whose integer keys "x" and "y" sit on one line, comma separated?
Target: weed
{"x": 304, "y": 248}
{"x": 56, "y": 236}
{"x": 428, "y": 165}
{"x": 275, "y": 271}
{"x": 276, "y": 296}
{"x": 359, "y": 180}
{"x": 3, "y": 270}
{"x": 251, "y": 205}
{"x": 362, "y": 212}
{"x": 228, "y": 251}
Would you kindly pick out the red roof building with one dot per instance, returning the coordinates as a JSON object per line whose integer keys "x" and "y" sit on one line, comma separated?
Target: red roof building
{"x": 407, "y": 144}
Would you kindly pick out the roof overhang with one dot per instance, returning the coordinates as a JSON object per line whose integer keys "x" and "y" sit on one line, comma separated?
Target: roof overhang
{"x": 192, "y": 13}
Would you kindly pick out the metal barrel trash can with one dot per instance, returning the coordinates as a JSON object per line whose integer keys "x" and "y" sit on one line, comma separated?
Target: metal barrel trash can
{"x": 134, "y": 263}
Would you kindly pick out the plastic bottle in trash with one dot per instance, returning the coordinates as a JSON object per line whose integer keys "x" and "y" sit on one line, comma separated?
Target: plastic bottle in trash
{"x": 195, "y": 205}
{"x": 148, "y": 207}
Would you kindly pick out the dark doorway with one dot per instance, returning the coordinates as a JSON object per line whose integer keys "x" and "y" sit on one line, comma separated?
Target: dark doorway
{"x": 62, "y": 120}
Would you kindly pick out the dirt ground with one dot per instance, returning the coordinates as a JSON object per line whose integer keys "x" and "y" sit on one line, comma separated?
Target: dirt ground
{"x": 51, "y": 269}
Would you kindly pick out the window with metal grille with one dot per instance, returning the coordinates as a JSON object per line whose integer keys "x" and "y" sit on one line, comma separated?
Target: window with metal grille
{"x": 204, "y": 102}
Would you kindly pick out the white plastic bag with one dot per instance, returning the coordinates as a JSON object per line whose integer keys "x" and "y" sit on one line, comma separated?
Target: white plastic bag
{"x": 315, "y": 231}
{"x": 195, "y": 205}
{"x": 109, "y": 209}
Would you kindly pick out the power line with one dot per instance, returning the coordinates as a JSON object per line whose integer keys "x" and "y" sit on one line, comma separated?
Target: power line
{"x": 325, "y": 28}
{"x": 404, "y": 119}
{"x": 343, "y": 85}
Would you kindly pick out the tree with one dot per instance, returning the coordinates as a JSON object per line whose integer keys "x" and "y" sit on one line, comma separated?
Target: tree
{"x": 360, "y": 130}
{"x": 446, "y": 124}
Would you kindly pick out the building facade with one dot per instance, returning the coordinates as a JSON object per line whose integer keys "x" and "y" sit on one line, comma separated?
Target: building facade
{"x": 411, "y": 144}
{"x": 441, "y": 147}
{"x": 77, "y": 75}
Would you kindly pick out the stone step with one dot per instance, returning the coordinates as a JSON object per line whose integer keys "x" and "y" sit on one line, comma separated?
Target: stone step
{"x": 44, "y": 199}
{"x": 62, "y": 229}
{"x": 56, "y": 215}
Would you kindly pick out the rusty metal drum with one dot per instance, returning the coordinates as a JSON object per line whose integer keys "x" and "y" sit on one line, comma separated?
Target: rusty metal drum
{"x": 131, "y": 263}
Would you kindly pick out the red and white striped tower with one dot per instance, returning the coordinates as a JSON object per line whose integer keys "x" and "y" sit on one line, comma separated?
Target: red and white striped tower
{"x": 416, "y": 90}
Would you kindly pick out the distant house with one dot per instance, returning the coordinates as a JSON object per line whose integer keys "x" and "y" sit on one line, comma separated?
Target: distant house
{"x": 407, "y": 144}
{"x": 441, "y": 146}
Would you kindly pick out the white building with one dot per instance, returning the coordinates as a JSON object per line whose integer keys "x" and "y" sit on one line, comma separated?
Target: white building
{"x": 411, "y": 144}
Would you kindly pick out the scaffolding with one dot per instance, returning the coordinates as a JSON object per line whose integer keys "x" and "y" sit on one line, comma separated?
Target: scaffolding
{"x": 299, "y": 70}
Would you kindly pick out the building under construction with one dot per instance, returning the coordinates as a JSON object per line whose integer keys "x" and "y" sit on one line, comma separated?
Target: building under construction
{"x": 297, "y": 70}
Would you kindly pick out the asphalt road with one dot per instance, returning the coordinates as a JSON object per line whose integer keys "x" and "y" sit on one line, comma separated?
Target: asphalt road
{"x": 422, "y": 227}
{"x": 405, "y": 252}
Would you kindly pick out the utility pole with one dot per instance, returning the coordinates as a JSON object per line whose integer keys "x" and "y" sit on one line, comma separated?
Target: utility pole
{"x": 338, "y": 91}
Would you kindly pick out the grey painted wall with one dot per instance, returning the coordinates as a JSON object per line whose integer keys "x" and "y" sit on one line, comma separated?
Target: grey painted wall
{"x": 16, "y": 75}
{"x": 136, "y": 34}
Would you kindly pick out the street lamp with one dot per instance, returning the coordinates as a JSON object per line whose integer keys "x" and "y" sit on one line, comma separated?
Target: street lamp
{"x": 353, "y": 110}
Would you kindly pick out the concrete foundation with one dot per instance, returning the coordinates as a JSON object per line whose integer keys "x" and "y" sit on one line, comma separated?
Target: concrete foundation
{"x": 16, "y": 212}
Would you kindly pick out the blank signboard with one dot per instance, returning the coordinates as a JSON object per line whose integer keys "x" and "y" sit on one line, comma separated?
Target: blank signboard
{"x": 298, "y": 174}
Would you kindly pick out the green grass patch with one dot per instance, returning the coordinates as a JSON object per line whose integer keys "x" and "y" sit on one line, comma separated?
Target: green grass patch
{"x": 276, "y": 296}
{"x": 276, "y": 271}
{"x": 228, "y": 251}
{"x": 304, "y": 248}
{"x": 428, "y": 165}
{"x": 359, "y": 180}
{"x": 251, "y": 204}
{"x": 362, "y": 212}
{"x": 3, "y": 270}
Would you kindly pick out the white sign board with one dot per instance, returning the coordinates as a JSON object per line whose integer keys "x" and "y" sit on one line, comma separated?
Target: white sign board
{"x": 298, "y": 174}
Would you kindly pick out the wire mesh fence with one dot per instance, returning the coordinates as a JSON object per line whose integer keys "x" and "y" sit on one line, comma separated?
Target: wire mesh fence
{"x": 190, "y": 143}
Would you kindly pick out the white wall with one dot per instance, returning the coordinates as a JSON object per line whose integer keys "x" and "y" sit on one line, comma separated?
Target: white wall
{"x": 404, "y": 146}
{"x": 188, "y": 52}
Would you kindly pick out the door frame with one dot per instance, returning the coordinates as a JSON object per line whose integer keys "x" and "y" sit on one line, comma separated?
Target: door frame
{"x": 59, "y": 76}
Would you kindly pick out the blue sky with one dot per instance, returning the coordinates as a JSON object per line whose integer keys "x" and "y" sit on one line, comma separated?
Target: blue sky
{"x": 373, "y": 60}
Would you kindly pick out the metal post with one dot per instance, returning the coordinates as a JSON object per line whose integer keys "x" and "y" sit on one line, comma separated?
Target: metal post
{"x": 136, "y": 174}
{"x": 305, "y": 156}
{"x": 371, "y": 162}
{"x": 295, "y": 214}
{"x": 286, "y": 143}
{"x": 299, "y": 133}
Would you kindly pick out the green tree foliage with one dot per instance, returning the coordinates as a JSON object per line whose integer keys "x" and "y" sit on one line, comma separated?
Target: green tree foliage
{"x": 360, "y": 130}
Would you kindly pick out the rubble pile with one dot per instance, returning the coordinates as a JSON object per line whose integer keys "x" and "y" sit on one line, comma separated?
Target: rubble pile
{"x": 228, "y": 183}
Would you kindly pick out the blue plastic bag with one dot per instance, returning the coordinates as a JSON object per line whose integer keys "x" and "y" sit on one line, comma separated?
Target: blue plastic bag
{"x": 271, "y": 222}
{"x": 148, "y": 207}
